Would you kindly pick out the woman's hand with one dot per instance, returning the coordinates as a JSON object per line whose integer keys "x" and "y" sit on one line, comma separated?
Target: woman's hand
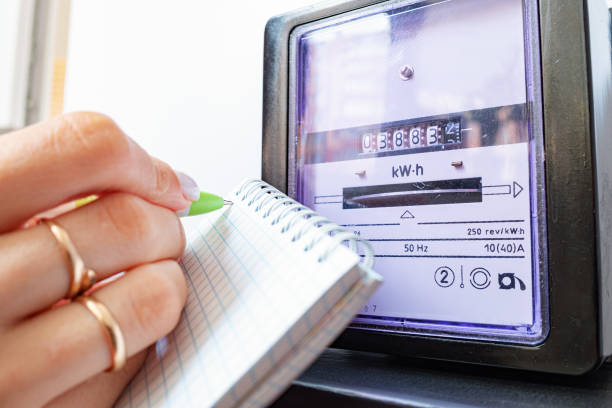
{"x": 58, "y": 355}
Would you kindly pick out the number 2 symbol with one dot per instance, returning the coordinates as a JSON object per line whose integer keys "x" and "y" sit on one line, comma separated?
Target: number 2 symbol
{"x": 444, "y": 274}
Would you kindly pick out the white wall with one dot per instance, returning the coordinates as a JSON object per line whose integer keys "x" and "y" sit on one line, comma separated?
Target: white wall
{"x": 183, "y": 78}
{"x": 15, "y": 29}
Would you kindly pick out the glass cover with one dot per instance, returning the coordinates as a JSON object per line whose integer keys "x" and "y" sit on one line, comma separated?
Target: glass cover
{"x": 413, "y": 125}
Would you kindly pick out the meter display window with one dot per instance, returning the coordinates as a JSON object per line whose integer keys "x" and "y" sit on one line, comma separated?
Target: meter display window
{"x": 417, "y": 126}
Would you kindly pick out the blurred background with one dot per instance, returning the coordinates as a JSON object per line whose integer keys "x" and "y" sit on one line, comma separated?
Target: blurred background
{"x": 183, "y": 78}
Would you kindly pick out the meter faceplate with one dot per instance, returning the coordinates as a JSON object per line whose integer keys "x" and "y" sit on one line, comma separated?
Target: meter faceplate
{"x": 414, "y": 131}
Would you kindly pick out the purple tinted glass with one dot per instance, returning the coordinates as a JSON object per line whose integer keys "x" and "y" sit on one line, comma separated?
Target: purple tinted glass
{"x": 417, "y": 126}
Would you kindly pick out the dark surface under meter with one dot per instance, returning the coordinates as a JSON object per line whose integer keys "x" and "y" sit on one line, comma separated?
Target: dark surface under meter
{"x": 341, "y": 378}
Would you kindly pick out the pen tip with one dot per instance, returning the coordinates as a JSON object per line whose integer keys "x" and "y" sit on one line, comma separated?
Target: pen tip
{"x": 227, "y": 202}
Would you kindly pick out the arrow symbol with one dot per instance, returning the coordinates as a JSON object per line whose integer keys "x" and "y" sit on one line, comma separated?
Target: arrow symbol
{"x": 502, "y": 189}
{"x": 406, "y": 215}
{"x": 516, "y": 189}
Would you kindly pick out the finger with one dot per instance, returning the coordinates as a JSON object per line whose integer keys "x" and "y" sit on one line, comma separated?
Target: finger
{"x": 111, "y": 234}
{"x": 63, "y": 347}
{"x": 101, "y": 390}
{"x": 74, "y": 155}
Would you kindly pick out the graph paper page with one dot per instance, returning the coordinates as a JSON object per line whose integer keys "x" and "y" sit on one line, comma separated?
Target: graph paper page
{"x": 253, "y": 294}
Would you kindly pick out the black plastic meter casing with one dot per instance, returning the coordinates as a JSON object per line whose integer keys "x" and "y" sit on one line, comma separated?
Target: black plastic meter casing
{"x": 576, "y": 94}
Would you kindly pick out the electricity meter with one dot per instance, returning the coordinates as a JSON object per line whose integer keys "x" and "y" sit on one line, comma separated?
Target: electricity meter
{"x": 462, "y": 139}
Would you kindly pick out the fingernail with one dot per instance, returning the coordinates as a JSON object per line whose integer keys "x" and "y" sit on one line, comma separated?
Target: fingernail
{"x": 190, "y": 188}
{"x": 184, "y": 212}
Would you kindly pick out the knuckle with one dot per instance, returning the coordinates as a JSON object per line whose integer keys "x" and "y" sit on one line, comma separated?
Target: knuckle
{"x": 158, "y": 308}
{"x": 144, "y": 227}
{"x": 164, "y": 177}
{"x": 128, "y": 216}
{"x": 93, "y": 136}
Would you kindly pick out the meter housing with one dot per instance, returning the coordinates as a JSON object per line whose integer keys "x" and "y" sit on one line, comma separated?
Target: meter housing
{"x": 467, "y": 140}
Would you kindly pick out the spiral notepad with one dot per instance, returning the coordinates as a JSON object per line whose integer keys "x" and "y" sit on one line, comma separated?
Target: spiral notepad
{"x": 271, "y": 284}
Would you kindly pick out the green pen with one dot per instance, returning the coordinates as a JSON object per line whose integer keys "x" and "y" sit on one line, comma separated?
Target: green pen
{"x": 206, "y": 203}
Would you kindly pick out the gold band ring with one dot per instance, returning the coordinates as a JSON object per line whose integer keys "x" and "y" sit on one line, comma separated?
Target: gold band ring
{"x": 112, "y": 332}
{"x": 82, "y": 278}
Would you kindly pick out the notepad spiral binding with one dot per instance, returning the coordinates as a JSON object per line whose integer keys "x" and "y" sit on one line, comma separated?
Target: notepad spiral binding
{"x": 299, "y": 219}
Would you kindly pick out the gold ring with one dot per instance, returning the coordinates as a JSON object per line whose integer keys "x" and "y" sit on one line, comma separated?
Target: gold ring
{"x": 82, "y": 277}
{"x": 112, "y": 332}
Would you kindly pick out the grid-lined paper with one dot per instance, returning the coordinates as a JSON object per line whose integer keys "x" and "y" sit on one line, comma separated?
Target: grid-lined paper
{"x": 313, "y": 344}
{"x": 256, "y": 301}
